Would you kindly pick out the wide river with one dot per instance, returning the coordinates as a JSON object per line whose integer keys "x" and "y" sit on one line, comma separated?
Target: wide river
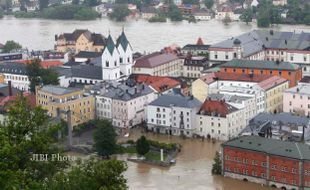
{"x": 38, "y": 34}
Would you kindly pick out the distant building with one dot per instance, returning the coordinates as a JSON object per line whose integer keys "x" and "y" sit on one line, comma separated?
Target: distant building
{"x": 289, "y": 71}
{"x": 124, "y": 104}
{"x": 296, "y": 100}
{"x": 158, "y": 64}
{"x": 148, "y": 12}
{"x": 32, "y": 5}
{"x": 16, "y": 73}
{"x": 220, "y": 120}
{"x": 227, "y": 12}
{"x": 279, "y": 2}
{"x": 79, "y": 40}
{"x": 266, "y": 161}
{"x": 173, "y": 115}
{"x": 196, "y": 49}
{"x": 53, "y": 98}
{"x": 11, "y": 56}
{"x": 203, "y": 15}
{"x": 265, "y": 45}
{"x": 193, "y": 66}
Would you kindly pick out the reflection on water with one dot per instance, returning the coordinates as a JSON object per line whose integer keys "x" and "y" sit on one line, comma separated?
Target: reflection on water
{"x": 192, "y": 170}
{"x": 144, "y": 36}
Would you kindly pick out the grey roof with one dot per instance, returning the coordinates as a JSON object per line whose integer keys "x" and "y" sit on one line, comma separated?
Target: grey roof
{"x": 258, "y": 64}
{"x": 228, "y": 98}
{"x": 256, "y": 40}
{"x": 87, "y": 71}
{"x": 13, "y": 68}
{"x": 121, "y": 91}
{"x": 88, "y": 54}
{"x": 4, "y": 90}
{"x": 195, "y": 47}
{"x": 57, "y": 90}
{"x": 285, "y": 118}
{"x": 303, "y": 89}
{"x": 287, "y": 149}
{"x": 62, "y": 71}
{"x": 177, "y": 101}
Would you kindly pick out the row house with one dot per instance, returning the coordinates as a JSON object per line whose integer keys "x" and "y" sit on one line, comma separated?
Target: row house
{"x": 271, "y": 162}
{"x": 220, "y": 120}
{"x": 265, "y": 45}
{"x": 290, "y": 71}
{"x": 158, "y": 64}
{"x": 173, "y": 115}
{"x": 199, "y": 48}
{"x": 123, "y": 104}
{"x": 16, "y": 73}
{"x": 53, "y": 98}
{"x": 193, "y": 66}
{"x": 296, "y": 100}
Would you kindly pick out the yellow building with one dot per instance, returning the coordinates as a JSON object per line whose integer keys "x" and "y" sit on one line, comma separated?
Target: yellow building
{"x": 52, "y": 98}
{"x": 274, "y": 88}
{"x": 79, "y": 40}
{"x": 200, "y": 89}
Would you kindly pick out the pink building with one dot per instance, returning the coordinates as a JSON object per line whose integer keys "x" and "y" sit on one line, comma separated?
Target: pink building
{"x": 297, "y": 100}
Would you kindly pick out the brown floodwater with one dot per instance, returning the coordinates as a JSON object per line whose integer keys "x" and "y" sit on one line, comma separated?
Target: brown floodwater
{"x": 192, "y": 170}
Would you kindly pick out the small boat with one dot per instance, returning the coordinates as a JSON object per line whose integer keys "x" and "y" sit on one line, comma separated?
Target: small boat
{"x": 126, "y": 135}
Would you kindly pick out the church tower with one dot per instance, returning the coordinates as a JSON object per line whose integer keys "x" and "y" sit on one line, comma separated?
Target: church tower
{"x": 125, "y": 50}
{"x": 110, "y": 61}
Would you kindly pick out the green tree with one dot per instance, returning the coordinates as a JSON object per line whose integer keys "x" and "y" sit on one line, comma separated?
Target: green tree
{"x": 105, "y": 139}
{"x": 247, "y": 15}
{"x": 143, "y": 146}
{"x": 226, "y": 20}
{"x": 264, "y": 14}
{"x": 11, "y": 45}
{"x": 209, "y": 3}
{"x": 217, "y": 164}
{"x": 75, "y": 2}
{"x": 43, "y": 4}
{"x": 25, "y": 132}
{"x": 120, "y": 12}
{"x": 175, "y": 13}
{"x": 92, "y": 174}
{"x": 40, "y": 76}
{"x": 91, "y": 3}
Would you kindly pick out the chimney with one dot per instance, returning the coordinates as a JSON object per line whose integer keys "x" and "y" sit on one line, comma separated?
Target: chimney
{"x": 10, "y": 88}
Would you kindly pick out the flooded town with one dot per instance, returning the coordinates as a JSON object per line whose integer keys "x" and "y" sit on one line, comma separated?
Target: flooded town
{"x": 154, "y": 94}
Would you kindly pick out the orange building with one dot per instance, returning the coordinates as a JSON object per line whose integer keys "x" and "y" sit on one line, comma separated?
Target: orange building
{"x": 272, "y": 162}
{"x": 289, "y": 71}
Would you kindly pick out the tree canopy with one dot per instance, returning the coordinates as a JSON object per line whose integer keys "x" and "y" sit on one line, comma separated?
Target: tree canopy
{"x": 174, "y": 13}
{"x": 120, "y": 12}
{"x": 247, "y": 15}
{"x": 11, "y": 45}
{"x": 143, "y": 146}
{"x": 105, "y": 139}
{"x": 209, "y": 3}
{"x": 217, "y": 164}
{"x": 40, "y": 76}
{"x": 26, "y": 132}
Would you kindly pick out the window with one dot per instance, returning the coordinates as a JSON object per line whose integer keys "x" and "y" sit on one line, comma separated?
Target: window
{"x": 219, "y": 131}
{"x": 273, "y": 178}
{"x": 226, "y": 56}
{"x": 107, "y": 63}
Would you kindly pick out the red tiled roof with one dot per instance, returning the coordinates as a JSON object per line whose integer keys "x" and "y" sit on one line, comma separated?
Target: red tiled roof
{"x": 45, "y": 63}
{"x": 217, "y": 108}
{"x": 155, "y": 59}
{"x": 271, "y": 82}
{"x": 160, "y": 84}
{"x": 30, "y": 97}
{"x": 210, "y": 78}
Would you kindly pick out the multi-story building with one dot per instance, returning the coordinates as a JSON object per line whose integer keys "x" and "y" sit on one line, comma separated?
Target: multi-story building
{"x": 124, "y": 104}
{"x": 158, "y": 64}
{"x": 247, "y": 103}
{"x": 173, "y": 115}
{"x": 265, "y": 45}
{"x": 210, "y": 83}
{"x": 267, "y": 161}
{"x": 289, "y": 71}
{"x": 54, "y": 98}
{"x": 196, "y": 49}
{"x": 193, "y": 65}
{"x": 273, "y": 88}
{"x": 16, "y": 73}
{"x": 284, "y": 126}
{"x": 297, "y": 100}
{"x": 79, "y": 40}
{"x": 227, "y": 12}
{"x": 220, "y": 120}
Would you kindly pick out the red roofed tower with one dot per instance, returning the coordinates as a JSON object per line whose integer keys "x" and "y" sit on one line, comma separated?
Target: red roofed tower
{"x": 199, "y": 41}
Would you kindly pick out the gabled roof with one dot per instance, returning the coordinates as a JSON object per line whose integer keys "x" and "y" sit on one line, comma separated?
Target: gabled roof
{"x": 97, "y": 39}
{"x": 287, "y": 149}
{"x": 217, "y": 108}
{"x": 258, "y": 64}
{"x": 110, "y": 44}
{"x": 155, "y": 59}
{"x": 13, "y": 68}
{"x": 160, "y": 84}
{"x": 122, "y": 40}
{"x": 272, "y": 82}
